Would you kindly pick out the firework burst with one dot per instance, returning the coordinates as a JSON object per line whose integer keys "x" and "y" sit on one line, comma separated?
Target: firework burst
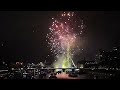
{"x": 64, "y": 30}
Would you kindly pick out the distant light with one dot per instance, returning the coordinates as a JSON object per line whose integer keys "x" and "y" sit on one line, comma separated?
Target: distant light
{"x": 116, "y": 68}
{"x": 2, "y": 44}
{"x": 100, "y": 55}
{"x": 77, "y": 69}
{"x": 12, "y": 68}
{"x": 3, "y": 62}
{"x": 115, "y": 57}
{"x": 106, "y": 68}
{"x": 81, "y": 66}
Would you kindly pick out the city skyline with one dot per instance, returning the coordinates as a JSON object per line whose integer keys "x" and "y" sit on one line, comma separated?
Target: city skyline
{"x": 23, "y": 33}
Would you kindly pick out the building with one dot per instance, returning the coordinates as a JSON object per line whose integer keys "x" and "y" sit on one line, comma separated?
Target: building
{"x": 86, "y": 64}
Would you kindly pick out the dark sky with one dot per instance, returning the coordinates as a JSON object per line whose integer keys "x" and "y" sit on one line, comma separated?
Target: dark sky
{"x": 18, "y": 39}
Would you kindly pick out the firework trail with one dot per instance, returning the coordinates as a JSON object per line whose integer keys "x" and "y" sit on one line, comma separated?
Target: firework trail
{"x": 64, "y": 30}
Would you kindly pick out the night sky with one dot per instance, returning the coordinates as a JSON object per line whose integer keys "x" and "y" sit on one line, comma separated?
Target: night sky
{"x": 23, "y": 33}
